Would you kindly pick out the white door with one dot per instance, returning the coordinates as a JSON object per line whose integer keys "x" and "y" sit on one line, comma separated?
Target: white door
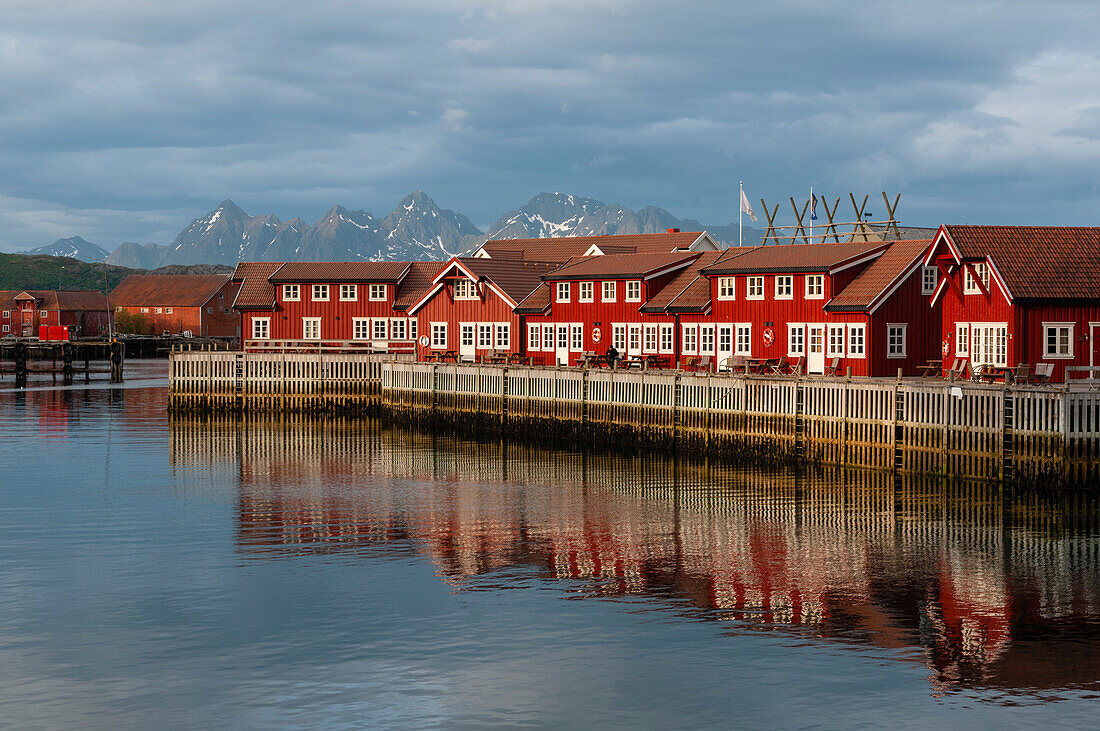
{"x": 815, "y": 350}
{"x": 634, "y": 340}
{"x": 466, "y": 347}
{"x": 563, "y": 345}
{"x": 725, "y": 344}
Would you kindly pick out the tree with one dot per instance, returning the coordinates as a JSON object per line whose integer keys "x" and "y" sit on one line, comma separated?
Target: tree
{"x": 133, "y": 323}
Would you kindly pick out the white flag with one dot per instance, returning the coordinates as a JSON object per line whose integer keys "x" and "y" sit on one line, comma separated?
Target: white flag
{"x": 746, "y": 207}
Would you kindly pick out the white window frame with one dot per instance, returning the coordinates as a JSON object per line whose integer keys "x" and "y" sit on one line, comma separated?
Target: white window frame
{"x": 834, "y": 335}
{"x": 548, "y": 338}
{"x": 484, "y": 338}
{"x": 144, "y": 311}
{"x": 378, "y": 292}
{"x": 439, "y": 335}
{"x": 412, "y": 328}
{"x": 158, "y": 310}
{"x": 350, "y": 292}
{"x": 311, "y": 328}
{"x": 706, "y": 340}
{"x": 465, "y": 289}
{"x": 265, "y": 325}
{"x": 576, "y": 337}
{"x": 360, "y": 328}
{"x": 690, "y": 338}
{"x": 534, "y": 337}
{"x": 784, "y": 286}
{"x": 168, "y": 310}
{"x": 742, "y": 339}
{"x": 398, "y": 325}
{"x": 989, "y": 343}
{"x": 970, "y": 285}
{"x": 857, "y": 341}
{"x": 649, "y": 339}
{"x": 7, "y": 327}
{"x": 319, "y": 293}
{"x": 503, "y": 335}
{"x": 608, "y": 291}
{"x": 754, "y": 288}
{"x": 562, "y": 292}
{"x": 634, "y": 290}
{"x": 899, "y": 329}
{"x": 618, "y": 337}
{"x": 962, "y": 339}
{"x": 929, "y": 278}
{"x": 815, "y": 286}
{"x": 380, "y": 328}
{"x": 584, "y": 292}
{"x": 796, "y": 346}
{"x": 667, "y": 335}
{"x": 1058, "y": 326}
{"x": 727, "y": 288}
{"x": 292, "y": 293}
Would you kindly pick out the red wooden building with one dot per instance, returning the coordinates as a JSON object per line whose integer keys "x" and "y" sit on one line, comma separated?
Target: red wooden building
{"x": 255, "y": 300}
{"x": 176, "y": 303}
{"x": 22, "y": 312}
{"x": 470, "y": 308}
{"x": 1018, "y": 294}
{"x": 850, "y": 304}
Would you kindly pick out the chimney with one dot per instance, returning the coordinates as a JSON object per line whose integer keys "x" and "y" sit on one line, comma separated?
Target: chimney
{"x": 672, "y": 231}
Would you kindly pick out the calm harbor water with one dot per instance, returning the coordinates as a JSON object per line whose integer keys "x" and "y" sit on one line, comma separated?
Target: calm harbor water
{"x": 334, "y": 573}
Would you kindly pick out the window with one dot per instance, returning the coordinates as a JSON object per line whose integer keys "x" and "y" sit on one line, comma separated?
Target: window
{"x": 466, "y": 334}
{"x": 725, "y": 339}
{"x": 706, "y": 340}
{"x": 635, "y": 332}
{"x": 412, "y": 328}
{"x": 484, "y": 335}
{"x": 377, "y": 292}
{"x": 7, "y": 313}
{"x": 291, "y": 293}
{"x": 465, "y": 289}
{"x": 261, "y": 328}
{"x": 634, "y": 290}
{"x": 7, "y": 328}
{"x": 145, "y": 310}
{"x": 815, "y": 286}
{"x": 754, "y": 288}
{"x": 439, "y": 335}
{"x": 929, "y": 277}
{"x": 563, "y": 291}
{"x": 210, "y": 310}
{"x": 691, "y": 339}
{"x": 350, "y": 292}
{"x": 360, "y": 328}
{"x": 504, "y": 336}
{"x": 311, "y": 328}
{"x": 857, "y": 341}
{"x": 1057, "y": 339}
{"x": 895, "y": 340}
{"x": 784, "y": 287}
{"x": 668, "y": 334}
{"x": 397, "y": 328}
{"x": 380, "y": 328}
{"x": 576, "y": 337}
{"x": 726, "y": 289}
{"x": 796, "y": 338}
{"x": 548, "y": 338}
{"x": 650, "y": 345}
{"x": 744, "y": 339}
{"x": 169, "y": 310}
{"x": 988, "y": 344}
{"x": 982, "y": 270}
{"x": 585, "y": 292}
{"x": 618, "y": 337}
{"x": 534, "y": 337}
{"x": 320, "y": 293}
{"x": 158, "y": 310}
{"x": 962, "y": 339}
{"x": 563, "y": 337}
{"x": 836, "y": 341}
{"x": 608, "y": 294}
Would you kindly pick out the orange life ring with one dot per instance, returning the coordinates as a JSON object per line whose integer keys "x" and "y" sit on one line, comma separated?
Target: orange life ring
{"x": 769, "y": 336}
{"x": 596, "y": 334}
{"x": 946, "y": 347}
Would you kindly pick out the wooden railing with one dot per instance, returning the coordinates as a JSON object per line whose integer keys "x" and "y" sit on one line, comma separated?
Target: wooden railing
{"x": 330, "y": 346}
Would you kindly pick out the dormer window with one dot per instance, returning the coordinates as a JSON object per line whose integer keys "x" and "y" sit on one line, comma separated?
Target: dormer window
{"x": 928, "y": 278}
{"x": 971, "y": 284}
{"x": 465, "y": 289}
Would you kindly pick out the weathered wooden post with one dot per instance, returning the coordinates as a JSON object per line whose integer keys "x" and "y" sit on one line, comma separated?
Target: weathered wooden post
{"x": 117, "y": 352}
{"x": 67, "y": 364}
{"x": 20, "y": 355}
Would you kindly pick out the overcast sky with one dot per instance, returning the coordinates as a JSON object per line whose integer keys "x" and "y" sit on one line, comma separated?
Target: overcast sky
{"x": 124, "y": 120}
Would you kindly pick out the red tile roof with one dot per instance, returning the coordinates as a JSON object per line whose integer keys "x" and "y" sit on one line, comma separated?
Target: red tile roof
{"x": 180, "y": 290}
{"x": 792, "y": 258}
{"x": 256, "y": 292}
{"x": 416, "y": 283}
{"x": 1036, "y": 262}
{"x": 689, "y": 291}
{"x": 879, "y": 276}
{"x": 621, "y": 266}
{"x": 340, "y": 271}
{"x": 537, "y": 302}
{"x": 561, "y": 248}
{"x": 517, "y": 279}
{"x": 50, "y": 299}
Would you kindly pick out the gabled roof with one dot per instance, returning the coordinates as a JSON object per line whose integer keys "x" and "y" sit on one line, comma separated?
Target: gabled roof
{"x": 1033, "y": 262}
{"x": 50, "y": 299}
{"x": 689, "y": 291}
{"x": 340, "y": 271}
{"x": 416, "y": 283}
{"x": 781, "y": 259}
{"x": 880, "y": 278}
{"x": 536, "y": 303}
{"x": 512, "y": 279}
{"x": 561, "y": 248}
{"x": 179, "y": 290}
{"x": 256, "y": 292}
{"x": 623, "y": 266}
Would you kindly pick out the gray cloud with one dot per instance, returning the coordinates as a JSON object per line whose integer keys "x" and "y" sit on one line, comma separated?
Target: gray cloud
{"x": 123, "y": 119}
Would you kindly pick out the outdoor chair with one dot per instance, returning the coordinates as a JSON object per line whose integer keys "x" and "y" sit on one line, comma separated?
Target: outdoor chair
{"x": 832, "y": 369}
{"x": 780, "y": 368}
{"x": 704, "y": 363}
{"x": 1022, "y": 373}
{"x": 1042, "y": 374}
{"x": 958, "y": 368}
{"x": 795, "y": 367}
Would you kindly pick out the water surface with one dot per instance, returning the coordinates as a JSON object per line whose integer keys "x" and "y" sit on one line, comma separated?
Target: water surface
{"x": 190, "y": 573}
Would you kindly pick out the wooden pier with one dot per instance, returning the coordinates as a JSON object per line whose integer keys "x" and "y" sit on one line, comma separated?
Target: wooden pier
{"x": 67, "y": 359}
{"x": 918, "y": 426}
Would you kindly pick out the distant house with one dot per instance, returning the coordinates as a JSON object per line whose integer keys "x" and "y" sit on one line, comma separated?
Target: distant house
{"x": 22, "y": 312}
{"x": 175, "y": 303}
{"x": 255, "y": 300}
{"x": 565, "y": 247}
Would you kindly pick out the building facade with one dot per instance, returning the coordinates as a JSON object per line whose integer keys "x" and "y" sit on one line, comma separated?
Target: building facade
{"x": 200, "y": 304}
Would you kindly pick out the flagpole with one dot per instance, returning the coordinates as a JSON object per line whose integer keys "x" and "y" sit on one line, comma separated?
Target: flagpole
{"x": 811, "y": 214}
{"x": 740, "y": 208}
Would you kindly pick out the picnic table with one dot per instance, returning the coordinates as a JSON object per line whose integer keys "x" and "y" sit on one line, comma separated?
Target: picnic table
{"x": 760, "y": 365}
{"x": 497, "y": 358}
{"x": 931, "y": 368}
{"x": 519, "y": 359}
{"x": 990, "y": 373}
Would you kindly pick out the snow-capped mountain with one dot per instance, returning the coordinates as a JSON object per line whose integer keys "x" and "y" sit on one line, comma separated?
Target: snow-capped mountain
{"x": 73, "y": 247}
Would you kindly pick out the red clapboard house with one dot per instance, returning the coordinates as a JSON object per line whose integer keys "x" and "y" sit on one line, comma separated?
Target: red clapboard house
{"x": 469, "y": 310}
{"x": 1015, "y": 295}
{"x": 175, "y": 303}
{"x": 341, "y": 301}
{"x": 23, "y": 312}
{"x": 824, "y": 304}
{"x": 255, "y": 301}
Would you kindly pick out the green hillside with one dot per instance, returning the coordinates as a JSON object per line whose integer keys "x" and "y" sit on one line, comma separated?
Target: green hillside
{"x": 22, "y": 271}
